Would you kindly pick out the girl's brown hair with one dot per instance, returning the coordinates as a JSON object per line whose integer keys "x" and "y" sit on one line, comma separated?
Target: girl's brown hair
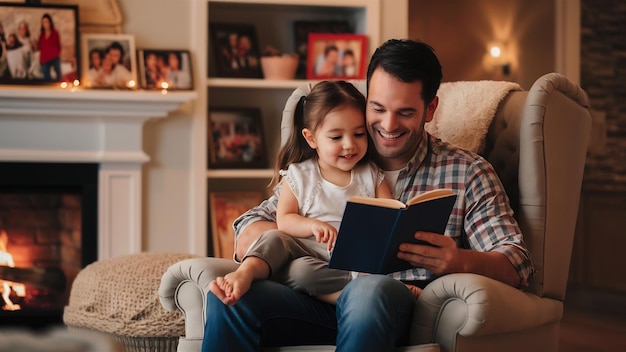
{"x": 310, "y": 113}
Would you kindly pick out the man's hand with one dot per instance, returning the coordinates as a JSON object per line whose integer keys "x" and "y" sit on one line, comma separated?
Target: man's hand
{"x": 443, "y": 257}
{"x": 324, "y": 233}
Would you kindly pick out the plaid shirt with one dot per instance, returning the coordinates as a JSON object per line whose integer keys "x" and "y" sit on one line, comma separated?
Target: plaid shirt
{"x": 481, "y": 220}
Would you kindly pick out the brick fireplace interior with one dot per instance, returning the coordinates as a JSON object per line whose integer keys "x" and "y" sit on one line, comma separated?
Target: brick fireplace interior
{"x": 48, "y": 233}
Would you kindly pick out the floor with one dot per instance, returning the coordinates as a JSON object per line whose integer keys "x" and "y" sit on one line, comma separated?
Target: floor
{"x": 593, "y": 323}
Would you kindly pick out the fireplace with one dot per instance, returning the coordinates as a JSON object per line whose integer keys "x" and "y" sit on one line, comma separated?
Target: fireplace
{"x": 48, "y": 233}
{"x": 49, "y": 135}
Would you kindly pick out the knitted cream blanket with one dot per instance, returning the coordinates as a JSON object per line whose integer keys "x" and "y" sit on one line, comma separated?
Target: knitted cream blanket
{"x": 466, "y": 110}
{"x": 119, "y": 296}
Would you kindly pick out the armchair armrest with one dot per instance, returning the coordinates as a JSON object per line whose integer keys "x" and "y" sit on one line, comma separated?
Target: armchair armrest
{"x": 474, "y": 305}
{"x": 184, "y": 287}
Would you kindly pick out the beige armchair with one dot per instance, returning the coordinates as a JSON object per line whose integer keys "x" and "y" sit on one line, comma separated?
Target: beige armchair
{"x": 537, "y": 142}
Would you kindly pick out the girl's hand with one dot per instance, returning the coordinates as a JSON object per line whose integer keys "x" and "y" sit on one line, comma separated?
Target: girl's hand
{"x": 324, "y": 233}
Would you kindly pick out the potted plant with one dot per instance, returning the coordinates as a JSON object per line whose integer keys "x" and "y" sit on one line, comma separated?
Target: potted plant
{"x": 277, "y": 66}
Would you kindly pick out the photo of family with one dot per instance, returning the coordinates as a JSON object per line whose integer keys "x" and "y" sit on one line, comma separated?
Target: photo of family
{"x": 165, "y": 69}
{"x": 109, "y": 61}
{"x": 336, "y": 56}
{"x": 236, "y": 138}
{"x": 236, "y": 50}
{"x": 38, "y": 43}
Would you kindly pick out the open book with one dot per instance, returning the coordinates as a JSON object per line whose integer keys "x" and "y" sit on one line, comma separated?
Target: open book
{"x": 372, "y": 229}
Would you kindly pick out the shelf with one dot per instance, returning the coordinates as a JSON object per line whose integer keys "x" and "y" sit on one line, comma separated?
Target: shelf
{"x": 313, "y": 3}
{"x": 240, "y": 173}
{"x": 256, "y": 83}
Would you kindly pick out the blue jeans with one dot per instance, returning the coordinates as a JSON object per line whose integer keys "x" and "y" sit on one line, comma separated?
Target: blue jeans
{"x": 373, "y": 313}
{"x": 56, "y": 65}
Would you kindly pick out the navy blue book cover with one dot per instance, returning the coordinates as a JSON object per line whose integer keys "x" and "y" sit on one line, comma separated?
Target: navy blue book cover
{"x": 369, "y": 235}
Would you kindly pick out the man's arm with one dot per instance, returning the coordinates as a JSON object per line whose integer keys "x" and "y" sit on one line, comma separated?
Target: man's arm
{"x": 493, "y": 244}
{"x": 446, "y": 258}
{"x": 250, "y": 225}
{"x": 249, "y": 234}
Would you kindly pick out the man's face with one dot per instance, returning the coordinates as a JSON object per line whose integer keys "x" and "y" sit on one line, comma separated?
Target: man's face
{"x": 116, "y": 55}
{"x": 395, "y": 117}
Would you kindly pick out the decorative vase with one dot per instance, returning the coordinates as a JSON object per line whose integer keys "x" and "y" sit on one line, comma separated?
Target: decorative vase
{"x": 279, "y": 67}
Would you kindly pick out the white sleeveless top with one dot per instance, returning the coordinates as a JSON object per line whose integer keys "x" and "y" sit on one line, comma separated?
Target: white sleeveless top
{"x": 325, "y": 201}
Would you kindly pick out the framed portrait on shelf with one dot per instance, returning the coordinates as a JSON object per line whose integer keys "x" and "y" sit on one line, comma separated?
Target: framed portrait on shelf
{"x": 109, "y": 61}
{"x": 336, "y": 56}
{"x": 236, "y": 139}
{"x": 40, "y": 43}
{"x": 225, "y": 207}
{"x": 302, "y": 29}
{"x": 235, "y": 50}
{"x": 165, "y": 69}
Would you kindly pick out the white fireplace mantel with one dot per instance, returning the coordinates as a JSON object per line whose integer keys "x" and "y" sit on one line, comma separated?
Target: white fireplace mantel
{"x": 50, "y": 124}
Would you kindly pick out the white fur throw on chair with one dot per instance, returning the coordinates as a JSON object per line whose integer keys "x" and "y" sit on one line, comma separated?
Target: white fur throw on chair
{"x": 465, "y": 111}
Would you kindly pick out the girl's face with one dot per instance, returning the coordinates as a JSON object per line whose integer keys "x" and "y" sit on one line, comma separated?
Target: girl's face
{"x": 107, "y": 64}
{"x": 340, "y": 141}
{"x": 22, "y": 29}
{"x": 96, "y": 61}
{"x": 151, "y": 61}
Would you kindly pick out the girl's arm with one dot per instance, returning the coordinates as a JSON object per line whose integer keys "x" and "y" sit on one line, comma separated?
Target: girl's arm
{"x": 289, "y": 220}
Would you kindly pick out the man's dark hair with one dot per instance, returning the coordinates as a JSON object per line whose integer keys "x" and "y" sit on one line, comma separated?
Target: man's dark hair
{"x": 409, "y": 61}
{"x": 116, "y": 46}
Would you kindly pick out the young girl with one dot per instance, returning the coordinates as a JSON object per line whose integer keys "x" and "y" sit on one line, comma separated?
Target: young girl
{"x": 326, "y": 163}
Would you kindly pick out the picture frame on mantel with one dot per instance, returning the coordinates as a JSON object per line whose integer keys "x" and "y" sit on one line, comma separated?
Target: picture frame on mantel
{"x": 236, "y": 139}
{"x": 109, "y": 61}
{"x": 165, "y": 69}
{"x": 30, "y": 58}
{"x": 225, "y": 207}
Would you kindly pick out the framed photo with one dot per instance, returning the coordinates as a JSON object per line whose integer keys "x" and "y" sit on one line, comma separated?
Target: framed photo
{"x": 302, "y": 29}
{"x": 165, "y": 69}
{"x": 235, "y": 50}
{"x": 39, "y": 42}
{"x": 236, "y": 138}
{"x": 337, "y": 56}
{"x": 109, "y": 61}
{"x": 225, "y": 207}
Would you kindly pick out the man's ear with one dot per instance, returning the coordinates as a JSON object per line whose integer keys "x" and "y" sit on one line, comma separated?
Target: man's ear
{"x": 309, "y": 137}
{"x": 430, "y": 109}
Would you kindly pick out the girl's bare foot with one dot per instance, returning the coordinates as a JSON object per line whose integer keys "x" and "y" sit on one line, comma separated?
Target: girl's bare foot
{"x": 231, "y": 287}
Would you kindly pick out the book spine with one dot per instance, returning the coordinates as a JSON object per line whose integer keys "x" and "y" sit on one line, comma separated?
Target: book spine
{"x": 390, "y": 239}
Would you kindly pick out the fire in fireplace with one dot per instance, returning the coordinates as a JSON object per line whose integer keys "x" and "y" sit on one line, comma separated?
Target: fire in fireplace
{"x": 48, "y": 233}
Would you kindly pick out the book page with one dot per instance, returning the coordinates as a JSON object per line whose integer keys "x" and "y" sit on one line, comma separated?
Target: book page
{"x": 430, "y": 195}
{"x": 380, "y": 202}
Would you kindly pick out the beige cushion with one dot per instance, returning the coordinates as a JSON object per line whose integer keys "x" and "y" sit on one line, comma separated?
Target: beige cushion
{"x": 119, "y": 296}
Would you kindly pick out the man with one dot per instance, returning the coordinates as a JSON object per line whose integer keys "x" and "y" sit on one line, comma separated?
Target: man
{"x": 373, "y": 312}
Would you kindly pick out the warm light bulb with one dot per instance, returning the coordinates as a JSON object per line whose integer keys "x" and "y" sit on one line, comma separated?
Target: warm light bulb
{"x": 76, "y": 83}
{"x": 164, "y": 85}
{"x": 63, "y": 85}
{"x": 495, "y": 51}
{"x": 131, "y": 84}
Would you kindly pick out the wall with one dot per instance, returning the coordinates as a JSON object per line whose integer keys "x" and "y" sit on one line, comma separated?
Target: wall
{"x": 600, "y": 240}
{"x": 166, "y": 177}
{"x": 459, "y": 31}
